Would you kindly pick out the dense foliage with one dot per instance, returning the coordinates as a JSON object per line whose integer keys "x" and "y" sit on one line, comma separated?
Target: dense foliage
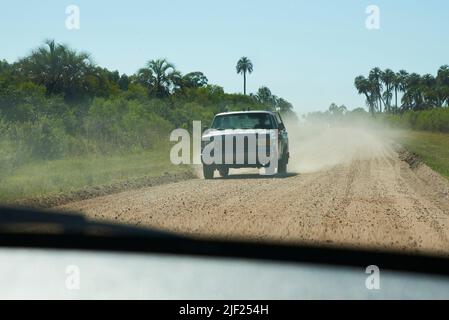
{"x": 383, "y": 88}
{"x": 57, "y": 102}
{"x": 436, "y": 119}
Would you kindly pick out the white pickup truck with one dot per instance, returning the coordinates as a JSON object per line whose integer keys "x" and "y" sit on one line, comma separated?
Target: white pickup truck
{"x": 245, "y": 139}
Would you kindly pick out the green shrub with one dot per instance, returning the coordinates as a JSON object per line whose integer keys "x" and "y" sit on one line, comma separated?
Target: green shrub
{"x": 121, "y": 124}
{"x": 44, "y": 138}
{"x": 436, "y": 120}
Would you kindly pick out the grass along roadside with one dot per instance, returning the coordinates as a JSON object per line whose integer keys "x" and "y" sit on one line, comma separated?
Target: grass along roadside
{"x": 431, "y": 147}
{"x": 51, "y": 178}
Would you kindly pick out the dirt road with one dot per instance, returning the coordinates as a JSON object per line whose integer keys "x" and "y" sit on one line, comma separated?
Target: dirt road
{"x": 368, "y": 197}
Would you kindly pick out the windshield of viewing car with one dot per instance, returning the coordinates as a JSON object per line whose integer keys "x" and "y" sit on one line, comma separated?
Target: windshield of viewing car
{"x": 108, "y": 120}
{"x": 243, "y": 121}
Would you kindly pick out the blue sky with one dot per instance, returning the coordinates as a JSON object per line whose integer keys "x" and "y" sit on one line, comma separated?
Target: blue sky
{"x": 308, "y": 52}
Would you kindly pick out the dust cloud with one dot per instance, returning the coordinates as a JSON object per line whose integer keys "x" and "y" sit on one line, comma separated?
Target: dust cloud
{"x": 320, "y": 146}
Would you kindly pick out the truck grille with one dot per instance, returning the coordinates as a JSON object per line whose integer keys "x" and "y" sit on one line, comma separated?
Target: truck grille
{"x": 245, "y": 148}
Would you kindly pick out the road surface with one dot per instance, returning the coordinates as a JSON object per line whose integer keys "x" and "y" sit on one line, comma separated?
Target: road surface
{"x": 357, "y": 193}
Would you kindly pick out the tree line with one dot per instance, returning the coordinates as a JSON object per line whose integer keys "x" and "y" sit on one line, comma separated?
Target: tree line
{"x": 56, "y": 102}
{"x": 382, "y": 89}
{"x": 73, "y": 75}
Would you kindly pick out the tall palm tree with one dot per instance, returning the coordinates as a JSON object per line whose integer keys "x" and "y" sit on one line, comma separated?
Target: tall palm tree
{"x": 428, "y": 90}
{"x": 363, "y": 86}
{"x": 402, "y": 80}
{"x": 396, "y": 87}
{"x": 413, "y": 98}
{"x": 388, "y": 79}
{"x": 160, "y": 77}
{"x": 244, "y": 65}
{"x": 375, "y": 79}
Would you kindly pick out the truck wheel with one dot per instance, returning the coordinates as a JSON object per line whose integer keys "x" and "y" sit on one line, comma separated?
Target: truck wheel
{"x": 208, "y": 172}
{"x": 282, "y": 166}
{"x": 224, "y": 172}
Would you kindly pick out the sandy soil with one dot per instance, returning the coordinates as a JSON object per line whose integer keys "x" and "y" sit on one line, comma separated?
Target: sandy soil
{"x": 359, "y": 193}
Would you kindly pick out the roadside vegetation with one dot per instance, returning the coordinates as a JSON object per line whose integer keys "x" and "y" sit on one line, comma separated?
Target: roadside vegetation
{"x": 54, "y": 177}
{"x": 431, "y": 147}
{"x": 66, "y": 122}
{"x": 435, "y": 120}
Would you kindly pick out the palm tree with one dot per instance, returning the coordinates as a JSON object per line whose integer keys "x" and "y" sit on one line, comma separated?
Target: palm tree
{"x": 429, "y": 91}
{"x": 402, "y": 80}
{"x": 418, "y": 92}
{"x": 413, "y": 98}
{"x": 376, "y": 83}
{"x": 388, "y": 78}
{"x": 58, "y": 68}
{"x": 160, "y": 77}
{"x": 396, "y": 87}
{"x": 244, "y": 65}
{"x": 363, "y": 86}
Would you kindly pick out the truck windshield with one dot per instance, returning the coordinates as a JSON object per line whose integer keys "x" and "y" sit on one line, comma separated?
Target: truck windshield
{"x": 243, "y": 121}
